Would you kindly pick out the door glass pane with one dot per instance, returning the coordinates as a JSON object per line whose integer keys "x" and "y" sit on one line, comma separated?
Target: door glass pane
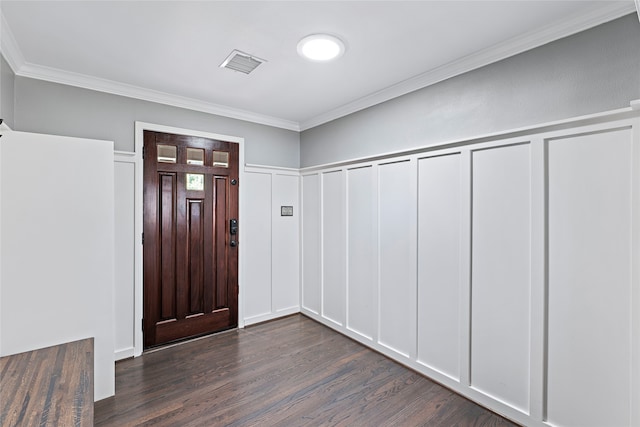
{"x": 195, "y": 181}
{"x": 221, "y": 159}
{"x": 167, "y": 153}
{"x": 195, "y": 156}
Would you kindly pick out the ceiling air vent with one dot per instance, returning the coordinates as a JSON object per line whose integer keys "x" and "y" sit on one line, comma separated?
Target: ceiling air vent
{"x": 240, "y": 61}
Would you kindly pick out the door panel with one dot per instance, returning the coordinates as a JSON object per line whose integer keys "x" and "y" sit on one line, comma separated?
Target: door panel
{"x": 190, "y": 261}
{"x": 220, "y": 223}
{"x": 167, "y": 247}
{"x": 195, "y": 240}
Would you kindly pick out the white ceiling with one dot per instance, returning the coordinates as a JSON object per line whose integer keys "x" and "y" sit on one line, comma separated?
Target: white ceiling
{"x": 170, "y": 51}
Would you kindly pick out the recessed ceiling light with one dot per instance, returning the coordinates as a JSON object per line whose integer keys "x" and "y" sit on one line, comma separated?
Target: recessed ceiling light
{"x": 320, "y": 47}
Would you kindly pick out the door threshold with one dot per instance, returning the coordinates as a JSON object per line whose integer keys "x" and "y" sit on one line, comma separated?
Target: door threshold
{"x": 175, "y": 344}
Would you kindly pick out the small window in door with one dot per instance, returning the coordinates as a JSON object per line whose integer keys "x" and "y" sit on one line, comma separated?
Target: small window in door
{"x": 195, "y": 181}
{"x": 167, "y": 153}
{"x": 195, "y": 156}
{"x": 221, "y": 159}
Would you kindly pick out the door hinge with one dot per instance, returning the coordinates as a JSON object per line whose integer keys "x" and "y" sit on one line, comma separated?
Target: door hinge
{"x": 143, "y": 238}
{"x": 142, "y": 324}
{"x": 144, "y": 149}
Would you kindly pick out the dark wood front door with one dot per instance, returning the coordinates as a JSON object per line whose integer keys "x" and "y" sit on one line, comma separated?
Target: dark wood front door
{"x": 190, "y": 240}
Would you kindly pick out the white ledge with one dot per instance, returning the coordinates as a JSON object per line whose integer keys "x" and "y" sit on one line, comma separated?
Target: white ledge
{"x": 4, "y": 127}
{"x": 256, "y": 167}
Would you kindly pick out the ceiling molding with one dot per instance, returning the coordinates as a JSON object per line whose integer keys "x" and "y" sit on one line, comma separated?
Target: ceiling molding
{"x": 131, "y": 91}
{"x": 20, "y": 67}
{"x": 16, "y": 60}
{"x": 479, "y": 59}
{"x": 9, "y": 47}
{"x": 638, "y": 8}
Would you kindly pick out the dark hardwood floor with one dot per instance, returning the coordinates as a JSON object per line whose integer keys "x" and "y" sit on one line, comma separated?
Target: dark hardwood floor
{"x": 288, "y": 372}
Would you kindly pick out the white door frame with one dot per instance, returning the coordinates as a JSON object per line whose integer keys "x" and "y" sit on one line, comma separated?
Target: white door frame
{"x": 140, "y": 127}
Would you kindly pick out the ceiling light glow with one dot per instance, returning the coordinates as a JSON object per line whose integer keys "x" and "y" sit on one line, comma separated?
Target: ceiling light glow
{"x": 320, "y": 47}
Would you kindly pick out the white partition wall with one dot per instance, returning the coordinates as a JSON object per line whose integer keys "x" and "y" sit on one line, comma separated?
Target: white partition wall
{"x": 58, "y": 247}
{"x": 271, "y": 244}
{"x": 506, "y": 268}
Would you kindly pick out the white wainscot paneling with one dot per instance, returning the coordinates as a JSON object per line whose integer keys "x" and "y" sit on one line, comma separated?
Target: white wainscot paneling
{"x": 124, "y": 289}
{"x": 506, "y": 270}
{"x": 361, "y": 223}
{"x": 439, "y": 215}
{"x": 255, "y": 234}
{"x": 589, "y": 281}
{"x": 333, "y": 247}
{"x": 311, "y": 272}
{"x": 397, "y": 243}
{"x": 286, "y": 245}
{"x": 500, "y": 289}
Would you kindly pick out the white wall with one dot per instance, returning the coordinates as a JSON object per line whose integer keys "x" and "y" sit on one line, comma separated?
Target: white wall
{"x": 271, "y": 265}
{"x": 507, "y": 269}
{"x": 57, "y": 247}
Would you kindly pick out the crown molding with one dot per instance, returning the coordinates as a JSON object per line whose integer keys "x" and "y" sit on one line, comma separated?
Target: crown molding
{"x": 479, "y": 59}
{"x": 20, "y": 67}
{"x": 10, "y": 50}
{"x": 131, "y": 91}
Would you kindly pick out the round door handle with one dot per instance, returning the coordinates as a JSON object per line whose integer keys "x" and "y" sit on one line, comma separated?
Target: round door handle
{"x": 233, "y": 243}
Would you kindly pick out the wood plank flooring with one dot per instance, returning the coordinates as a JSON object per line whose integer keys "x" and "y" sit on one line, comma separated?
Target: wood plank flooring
{"x": 288, "y": 372}
{"x": 50, "y": 386}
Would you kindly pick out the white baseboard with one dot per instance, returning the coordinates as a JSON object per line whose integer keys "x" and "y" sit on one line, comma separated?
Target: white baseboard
{"x": 124, "y": 353}
{"x": 270, "y": 316}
